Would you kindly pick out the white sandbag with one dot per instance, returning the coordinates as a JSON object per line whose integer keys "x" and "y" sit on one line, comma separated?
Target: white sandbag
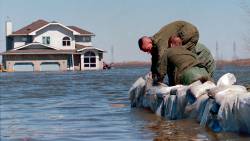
{"x": 196, "y": 91}
{"x": 224, "y": 107}
{"x": 196, "y": 109}
{"x": 160, "y": 89}
{"x": 169, "y": 106}
{"x": 190, "y": 96}
{"x": 139, "y": 84}
{"x": 136, "y": 92}
{"x": 206, "y": 115}
{"x": 213, "y": 104}
{"x": 181, "y": 102}
{"x": 155, "y": 96}
{"x": 243, "y": 112}
{"x": 150, "y": 100}
{"x": 219, "y": 93}
{"x": 234, "y": 112}
{"x": 226, "y": 80}
{"x": 175, "y": 103}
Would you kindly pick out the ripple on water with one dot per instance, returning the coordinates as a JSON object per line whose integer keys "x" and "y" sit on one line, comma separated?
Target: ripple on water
{"x": 91, "y": 105}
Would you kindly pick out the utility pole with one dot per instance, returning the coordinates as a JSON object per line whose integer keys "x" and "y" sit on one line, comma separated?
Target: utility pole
{"x": 235, "y": 57}
{"x": 217, "y": 51}
{"x": 112, "y": 54}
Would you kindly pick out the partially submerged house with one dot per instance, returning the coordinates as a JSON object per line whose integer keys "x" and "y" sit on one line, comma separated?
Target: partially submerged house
{"x": 47, "y": 46}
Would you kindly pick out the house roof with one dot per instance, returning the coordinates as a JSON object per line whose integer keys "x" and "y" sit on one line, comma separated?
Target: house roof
{"x": 79, "y": 46}
{"x": 81, "y": 31}
{"x": 38, "y": 51}
{"x": 34, "y": 43}
{"x": 40, "y": 24}
{"x": 32, "y": 48}
{"x": 31, "y": 27}
{"x": 90, "y": 48}
{"x": 47, "y": 50}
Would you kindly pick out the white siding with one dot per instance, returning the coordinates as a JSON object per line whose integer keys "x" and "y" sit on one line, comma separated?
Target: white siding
{"x": 85, "y": 44}
{"x": 56, "y": 34}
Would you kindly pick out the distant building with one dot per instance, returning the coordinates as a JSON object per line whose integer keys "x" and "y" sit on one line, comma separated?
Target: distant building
{"x": 50, "y": 46}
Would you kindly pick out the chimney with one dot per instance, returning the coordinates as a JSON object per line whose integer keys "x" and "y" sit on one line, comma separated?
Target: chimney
{"x": 8, "y": 28}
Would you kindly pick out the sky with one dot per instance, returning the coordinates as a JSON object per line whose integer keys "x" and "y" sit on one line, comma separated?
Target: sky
{"x": 118, "y": 24}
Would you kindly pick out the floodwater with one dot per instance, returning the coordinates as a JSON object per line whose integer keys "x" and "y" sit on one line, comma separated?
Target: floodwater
{"x": 91, "y": 105}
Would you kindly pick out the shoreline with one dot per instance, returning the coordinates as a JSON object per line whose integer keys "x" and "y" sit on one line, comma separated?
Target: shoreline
{"x": 219, "y": 63}
{"x": 238, "y": 62}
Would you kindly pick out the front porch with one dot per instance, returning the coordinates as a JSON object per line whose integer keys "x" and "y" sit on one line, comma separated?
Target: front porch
{"x": 85, "y": 60}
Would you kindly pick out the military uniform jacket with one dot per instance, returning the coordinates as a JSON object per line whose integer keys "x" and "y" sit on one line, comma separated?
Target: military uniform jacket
{"x": 205, "y": 58}
{"x": 188, "y": 32}
{"x": 180, "y": 59}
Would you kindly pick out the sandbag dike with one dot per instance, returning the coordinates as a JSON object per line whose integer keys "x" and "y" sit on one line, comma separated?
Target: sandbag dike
{"x": 223, "y": 106}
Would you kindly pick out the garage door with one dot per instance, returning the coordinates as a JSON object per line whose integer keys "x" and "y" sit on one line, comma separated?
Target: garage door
{"x": 23, "y": 67}
{"x": 50, "y": 66}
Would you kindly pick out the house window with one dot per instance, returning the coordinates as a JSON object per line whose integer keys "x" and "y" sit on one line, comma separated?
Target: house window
{"x": 46, "y": 40}
{"x": 66, "y": 41}
{"x": 89, "y": 60}
{"x": 86, "y": 39}
{"x": 24, "y": 39}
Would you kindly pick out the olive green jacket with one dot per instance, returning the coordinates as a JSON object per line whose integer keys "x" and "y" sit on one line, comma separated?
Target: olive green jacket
{"x": 205, "y": 58}
{"x": 190, "y": 37}
{"x": 180, "y": 59}
{"x": 188, "y": 32}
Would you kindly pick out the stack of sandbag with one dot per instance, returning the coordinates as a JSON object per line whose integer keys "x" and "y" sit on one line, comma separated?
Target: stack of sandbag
{"x": 223, "y": 107}
{"x": 165, "y": 101}
{"x": 197, "y": 99}
{"x": 175, "y": 103}
{"x": 144, "y": 94}
{"x": 178, "y": 103}
{"x": 226, "y": 107}
{"x": 154, "y": 97}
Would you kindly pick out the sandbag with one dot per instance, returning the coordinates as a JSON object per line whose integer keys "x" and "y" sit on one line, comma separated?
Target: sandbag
{"x": 156, "y": 98}
{"x": 197, "y": 90}
{"x": 224, "y": 107}
{"x": 136, "y": 92}
{"x": 175, "y": 103}
{"x": 219, "y": 97}
{"x": 196, "y": 109}
{"x": 234, "y": 112}
{"x": 219, "y": 93}
{"x": 226, "y": 80}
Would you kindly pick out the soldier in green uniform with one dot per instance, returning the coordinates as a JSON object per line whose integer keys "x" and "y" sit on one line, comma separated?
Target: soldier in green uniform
{"x": 184, "y": 63}
{"x": 189, "y": 35}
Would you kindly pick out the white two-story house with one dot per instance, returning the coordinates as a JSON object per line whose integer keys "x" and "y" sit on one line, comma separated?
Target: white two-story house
{"x": 50, "y": 46}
